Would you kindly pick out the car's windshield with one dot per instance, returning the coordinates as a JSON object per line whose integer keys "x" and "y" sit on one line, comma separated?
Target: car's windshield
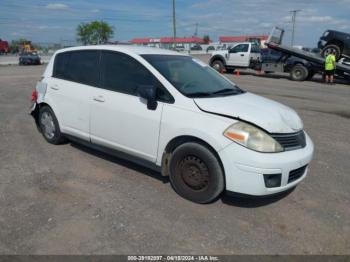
{"x": 192, "y": 77}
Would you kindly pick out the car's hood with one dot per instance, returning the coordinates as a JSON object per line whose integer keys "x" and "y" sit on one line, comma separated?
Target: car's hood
{"x": 265, "y": 113}
{"x": 219, "y": 52}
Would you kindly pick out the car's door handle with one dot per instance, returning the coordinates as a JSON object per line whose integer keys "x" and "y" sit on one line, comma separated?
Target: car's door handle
{"x": 242, "y": 54}
{"x": 55, "y": 87}
{"x": 99, "y": 98}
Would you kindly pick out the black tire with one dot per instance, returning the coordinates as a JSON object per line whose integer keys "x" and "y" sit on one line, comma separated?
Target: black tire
{"x": 328, "y": 48}
{"x": 51, "y": 132}
{"x": 299, "y": 73}
{"x": 218, "y": 66}
{"x": 195, "y": 173}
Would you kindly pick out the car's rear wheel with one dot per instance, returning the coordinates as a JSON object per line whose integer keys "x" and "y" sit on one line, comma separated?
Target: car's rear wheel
{"x": 195, "y": 173}
{"x": 331, "y": 49}
{"x": 299, "y": 73}
{"x": 49, "y": 126}
{"x": 218, "y": 66}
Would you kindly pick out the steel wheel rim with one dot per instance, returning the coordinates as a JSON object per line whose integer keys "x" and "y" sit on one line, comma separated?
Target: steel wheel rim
{"x": 216, "y": 67}
{"x": 329, "y": 50}
{"x": 48, "y": 125}
{"x": 194, "y": 173}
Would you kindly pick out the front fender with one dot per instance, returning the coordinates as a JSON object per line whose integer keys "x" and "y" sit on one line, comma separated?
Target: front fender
{"x": 179, "y": 122}
{"x": 217, "y": 57}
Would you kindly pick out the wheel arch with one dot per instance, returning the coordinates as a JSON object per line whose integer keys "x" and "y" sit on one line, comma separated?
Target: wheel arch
{"x": 217, "y": 57}
{"x": 336, "y": 42}
{"x": 35, "y": 113}
{"x": 179, "y": 140}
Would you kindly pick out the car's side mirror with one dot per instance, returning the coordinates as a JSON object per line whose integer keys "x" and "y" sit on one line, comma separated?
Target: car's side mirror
{"x": 149, "y": 93}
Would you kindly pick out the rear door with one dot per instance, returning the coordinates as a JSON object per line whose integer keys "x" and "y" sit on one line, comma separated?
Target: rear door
{"x": 239, "y": 55}
{"x": 119, "y": 118}
{"x": 74, "y": 77}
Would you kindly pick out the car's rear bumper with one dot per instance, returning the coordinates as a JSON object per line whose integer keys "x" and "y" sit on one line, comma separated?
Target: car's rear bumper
{"x": 245, "y": 168}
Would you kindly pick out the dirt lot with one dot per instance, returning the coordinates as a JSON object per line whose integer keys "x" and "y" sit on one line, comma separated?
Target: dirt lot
{"x": 71, "y": 200}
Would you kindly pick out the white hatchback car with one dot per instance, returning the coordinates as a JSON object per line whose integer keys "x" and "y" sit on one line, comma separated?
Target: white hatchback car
{"x": 174, "y": 113}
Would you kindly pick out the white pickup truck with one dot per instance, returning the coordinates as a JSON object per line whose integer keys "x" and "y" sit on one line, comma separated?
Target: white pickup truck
{"x": 241, "y": 55}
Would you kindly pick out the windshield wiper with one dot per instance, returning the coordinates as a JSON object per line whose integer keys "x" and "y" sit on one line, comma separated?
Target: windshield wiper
{"x": 199, "y": 94}
{"x": 226, "y": 91}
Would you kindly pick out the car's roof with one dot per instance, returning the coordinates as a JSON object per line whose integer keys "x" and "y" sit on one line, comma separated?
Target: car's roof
{"x": 140, "y": 50}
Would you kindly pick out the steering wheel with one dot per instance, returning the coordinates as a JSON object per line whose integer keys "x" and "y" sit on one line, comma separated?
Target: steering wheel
{"x": 189, "y": 84}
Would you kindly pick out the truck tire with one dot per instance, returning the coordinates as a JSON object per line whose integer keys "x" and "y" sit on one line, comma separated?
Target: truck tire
{"x": 329, "y": 48}
{"x": 218, "y": 66}
{"x": 195, "y": 173}
{"x": 299, "y": 73}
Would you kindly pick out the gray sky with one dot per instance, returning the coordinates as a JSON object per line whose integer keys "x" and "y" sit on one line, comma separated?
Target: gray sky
{"x": 54, "y": 21}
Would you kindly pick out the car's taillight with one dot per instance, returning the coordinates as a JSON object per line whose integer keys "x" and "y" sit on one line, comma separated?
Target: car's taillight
{"x": 34, "y": 95}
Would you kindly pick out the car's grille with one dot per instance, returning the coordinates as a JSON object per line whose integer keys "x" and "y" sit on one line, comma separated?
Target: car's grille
{"x": 291, "y": 141}
{"x": 296, "y": 174}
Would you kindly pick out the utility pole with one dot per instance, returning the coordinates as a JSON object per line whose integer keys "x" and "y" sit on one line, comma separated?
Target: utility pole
{"x": 174, "y": 25}
{"x": 196, "y": 31}
{"x": 294, "y": 15}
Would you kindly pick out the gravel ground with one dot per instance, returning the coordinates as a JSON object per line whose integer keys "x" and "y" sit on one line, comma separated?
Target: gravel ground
{"x": 72, "y": 200}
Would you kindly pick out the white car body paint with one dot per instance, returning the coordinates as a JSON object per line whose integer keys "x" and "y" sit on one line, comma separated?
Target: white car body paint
{"x": 144, "y": 133}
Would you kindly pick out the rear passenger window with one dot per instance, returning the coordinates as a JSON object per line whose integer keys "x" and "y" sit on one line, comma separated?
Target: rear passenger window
{"x": 122, "y": 73}
{"x": 78, "y": 66}
{"x": 60, "y": 66}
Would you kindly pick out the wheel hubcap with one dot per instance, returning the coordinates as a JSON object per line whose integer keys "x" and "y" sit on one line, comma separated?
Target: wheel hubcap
{"x": 216, "y": 67}
{"x": 194, "y": 173}
{"x": 48, "y": 125}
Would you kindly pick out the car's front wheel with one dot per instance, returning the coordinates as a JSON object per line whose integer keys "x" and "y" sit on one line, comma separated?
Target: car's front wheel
{"x": 49, "y": 126}
{"x": 218, "y": 66}
{"x": 195, "y": 173}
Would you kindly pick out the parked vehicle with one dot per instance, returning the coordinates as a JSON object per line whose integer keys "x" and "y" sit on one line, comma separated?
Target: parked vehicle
{"x": 29, "y": 58}
{"x": 4, "y": 47}
{"x": 196, "y": 48}
{"x": 241, "y": 55}
{"x": 175, "y": 114}
{"x": 276, "y": 61}
{"x": 210, "y": 48}
{"x": 336, "y": 41}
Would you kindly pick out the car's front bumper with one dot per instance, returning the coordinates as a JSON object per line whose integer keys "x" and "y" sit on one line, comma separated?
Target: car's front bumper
{"x": 245, "y": 168}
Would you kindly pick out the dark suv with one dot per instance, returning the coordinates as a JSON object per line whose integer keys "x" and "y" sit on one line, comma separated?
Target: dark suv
{"x": 335, "y": 41}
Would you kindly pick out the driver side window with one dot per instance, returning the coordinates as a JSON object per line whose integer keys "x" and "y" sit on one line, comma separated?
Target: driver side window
{"x": 239, "y": 48}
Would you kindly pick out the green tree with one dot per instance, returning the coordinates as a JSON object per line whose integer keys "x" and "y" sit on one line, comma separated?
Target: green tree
{"x": 206, "y": 39}
{"x": 94, "y": 33}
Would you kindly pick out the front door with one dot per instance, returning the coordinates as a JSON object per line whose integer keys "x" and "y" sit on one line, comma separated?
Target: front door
{"x": 239, "y": 55}
{"x": 119, "y": 118}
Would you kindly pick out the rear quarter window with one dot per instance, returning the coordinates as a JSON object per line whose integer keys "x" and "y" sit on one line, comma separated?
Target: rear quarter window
{"x": 78, "y": 66}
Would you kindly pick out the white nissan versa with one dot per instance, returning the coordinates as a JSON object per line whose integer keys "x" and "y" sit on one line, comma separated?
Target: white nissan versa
{"x": 175, "y": 113}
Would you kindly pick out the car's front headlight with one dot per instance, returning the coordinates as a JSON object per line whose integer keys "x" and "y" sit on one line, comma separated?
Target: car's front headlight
{"x": 252, "y": 137}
